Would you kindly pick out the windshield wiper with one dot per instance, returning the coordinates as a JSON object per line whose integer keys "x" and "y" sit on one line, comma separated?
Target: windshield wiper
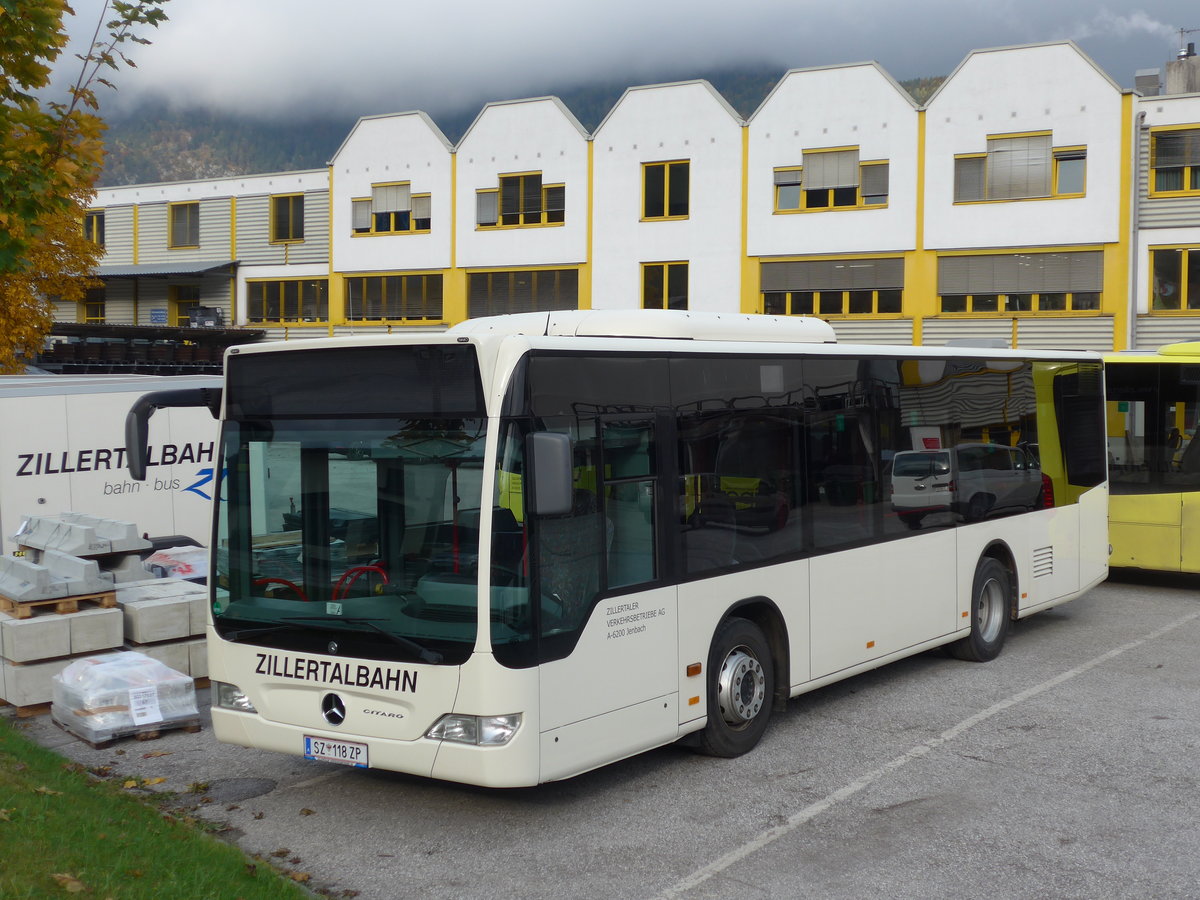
{"x": 240, "y": 633}
{"x": 423, "y": 653}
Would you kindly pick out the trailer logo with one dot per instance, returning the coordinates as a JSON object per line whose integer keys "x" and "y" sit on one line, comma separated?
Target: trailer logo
{"x": 107, "y": 459}
{"x": 203, "y": 477}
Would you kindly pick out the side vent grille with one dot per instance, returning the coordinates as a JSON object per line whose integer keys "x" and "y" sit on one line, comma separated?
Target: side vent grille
{"x": 1043, "y": 562}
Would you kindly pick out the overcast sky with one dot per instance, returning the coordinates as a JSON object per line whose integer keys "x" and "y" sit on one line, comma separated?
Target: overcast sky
{"x": 283, "y": 57}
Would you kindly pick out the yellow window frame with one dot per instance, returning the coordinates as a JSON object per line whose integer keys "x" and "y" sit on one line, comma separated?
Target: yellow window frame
{"x": 192, "y": 205}
{"x": 180, "y": 296}
{"x": 405, "y": 282}
{"x": 260, "y": 285}
{"x": 1184, "y": 281}
{"x": 540, "y": 218}
{"x": 1189, "y": 175}
{"x": 412, "y": 220}
{"x": 294, "y": 220}
{"x": 794, "y": 303}
{"x": 1056, "y": 165}
{"x": 1002, "y": 300}
{"x": 93, "y": 226}
{"x": 666, "y": 166}
{"x": 665, "y": 270}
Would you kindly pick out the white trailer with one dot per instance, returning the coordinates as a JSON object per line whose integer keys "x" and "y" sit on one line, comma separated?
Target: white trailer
{"x": 62, "y": 448}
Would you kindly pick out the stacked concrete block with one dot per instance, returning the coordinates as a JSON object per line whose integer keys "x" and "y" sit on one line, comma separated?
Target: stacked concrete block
{"x": 165, "y": 620}
{"x": 77, "y": 534}
{"x": 73, "y": 558}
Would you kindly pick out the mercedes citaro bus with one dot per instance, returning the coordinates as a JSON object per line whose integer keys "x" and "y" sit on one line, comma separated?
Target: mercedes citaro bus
{"x": 535, "y": 544}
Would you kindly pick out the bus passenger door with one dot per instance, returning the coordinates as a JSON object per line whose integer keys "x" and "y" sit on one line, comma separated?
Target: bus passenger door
{"x": 613, "y": 693}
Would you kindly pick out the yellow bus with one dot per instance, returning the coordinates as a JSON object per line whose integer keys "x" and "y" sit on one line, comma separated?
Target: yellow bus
{"x": 1154, "y": 458}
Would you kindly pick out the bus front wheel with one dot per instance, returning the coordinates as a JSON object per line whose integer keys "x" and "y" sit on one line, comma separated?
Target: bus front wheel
{"x": 741, "y": 687}
{"x": 991, "y": 599}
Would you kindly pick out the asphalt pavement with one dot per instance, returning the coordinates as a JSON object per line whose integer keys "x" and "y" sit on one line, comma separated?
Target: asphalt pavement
{"x": 1064, "y": 769}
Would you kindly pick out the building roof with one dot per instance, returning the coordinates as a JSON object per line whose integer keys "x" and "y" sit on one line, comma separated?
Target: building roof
{"x": 162, "y": 270}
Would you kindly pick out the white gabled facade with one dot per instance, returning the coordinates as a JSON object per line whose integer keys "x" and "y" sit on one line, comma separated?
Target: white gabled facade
{"x": 1025, "y": 201}
{"x": 859, "y": 114}
{"x": 688, "y": 123}
{"x": 1018, "y": 113}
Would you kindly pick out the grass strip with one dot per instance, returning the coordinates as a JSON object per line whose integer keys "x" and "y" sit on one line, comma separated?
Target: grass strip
{"x": 64, "y": 834}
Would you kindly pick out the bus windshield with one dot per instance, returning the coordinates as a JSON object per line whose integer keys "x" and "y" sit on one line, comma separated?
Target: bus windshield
{"x": 357, "y": 537}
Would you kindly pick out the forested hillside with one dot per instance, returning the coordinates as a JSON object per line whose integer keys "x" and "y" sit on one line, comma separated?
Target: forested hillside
{"x": 158, "y": 143}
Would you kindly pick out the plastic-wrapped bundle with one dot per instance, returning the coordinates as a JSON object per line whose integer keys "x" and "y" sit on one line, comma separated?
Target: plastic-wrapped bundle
{"x": 98, "y": 698}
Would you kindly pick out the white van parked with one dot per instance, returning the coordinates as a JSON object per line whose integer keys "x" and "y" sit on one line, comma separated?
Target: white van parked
{"x": 971, "y": 481}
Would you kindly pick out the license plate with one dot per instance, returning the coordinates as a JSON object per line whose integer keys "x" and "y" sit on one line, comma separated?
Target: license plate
{"x": 346, "y": 753}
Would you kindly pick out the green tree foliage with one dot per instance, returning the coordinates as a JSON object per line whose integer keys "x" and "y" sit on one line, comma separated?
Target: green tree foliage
{"x": 50, "y": 156}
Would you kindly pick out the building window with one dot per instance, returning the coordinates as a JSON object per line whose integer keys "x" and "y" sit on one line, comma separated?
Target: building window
{"x": 185, "y": 224}
{"x": 831, "y": 179}
{"x": 833, "y": 287}
{"x": 665, "y": 285}
{"x": 180, "y": 300}
{"x": 394, "y": 298}
{"x": 91, "y": 309}
{"x": 293, "y": 300}
{"x": 93, "y": 226}
{"x": 1176, "y": 280}
{"x": 521, "y": 200}
{"x": 1175, "y": 161}
{"x": 1070, "y": 171}
{"x": 524, "y": 290}
{"x": 665, "y": 187}
{"x": 391, "y": 209}
{"x": 1021, "y": 282}
{"x": 787, "y": 188}
{"x": 1020, "y": 167}
{"x": 287, "y": 217}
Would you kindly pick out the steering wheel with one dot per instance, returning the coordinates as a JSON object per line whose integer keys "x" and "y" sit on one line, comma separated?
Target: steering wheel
{"x": 299, "y": 591}
{"x": 351, "y": 575}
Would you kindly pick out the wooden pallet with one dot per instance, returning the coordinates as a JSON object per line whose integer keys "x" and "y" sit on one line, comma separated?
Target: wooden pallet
{"x": 190, "y": 725}
{"x": 24, "y": 609}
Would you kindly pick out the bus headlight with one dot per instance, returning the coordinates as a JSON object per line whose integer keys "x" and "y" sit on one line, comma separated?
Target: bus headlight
{"x": 230, "y": 696}
{"x": 482, "y": 731}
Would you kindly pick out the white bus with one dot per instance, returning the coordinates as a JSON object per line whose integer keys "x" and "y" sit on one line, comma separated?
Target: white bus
{"x": 537, "y": 544}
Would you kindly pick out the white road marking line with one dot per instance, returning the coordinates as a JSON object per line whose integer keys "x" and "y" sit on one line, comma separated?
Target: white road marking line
{"x": 859, "y": 784}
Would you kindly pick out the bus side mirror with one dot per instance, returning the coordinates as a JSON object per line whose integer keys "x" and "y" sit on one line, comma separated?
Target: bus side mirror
{"x": 551, "y": 461}
{"x": 137, "y": 421}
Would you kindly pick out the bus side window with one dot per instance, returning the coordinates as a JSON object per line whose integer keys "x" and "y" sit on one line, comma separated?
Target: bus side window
{"x": 629, "y": 502}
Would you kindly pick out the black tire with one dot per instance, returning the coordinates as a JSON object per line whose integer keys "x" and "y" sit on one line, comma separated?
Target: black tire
{"x": 741, "y": 689}
{"x": 977, "y": 509}
{"x": 991, "y": 609}
{"x": 912, "y": 520}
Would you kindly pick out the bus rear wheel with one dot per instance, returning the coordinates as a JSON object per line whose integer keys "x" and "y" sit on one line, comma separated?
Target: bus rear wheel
{"x": 741, "y": 688}
{"x": 991, "y": 601}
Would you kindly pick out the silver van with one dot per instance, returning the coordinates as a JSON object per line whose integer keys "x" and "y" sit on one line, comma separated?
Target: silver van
{"x": 970, "y": 481}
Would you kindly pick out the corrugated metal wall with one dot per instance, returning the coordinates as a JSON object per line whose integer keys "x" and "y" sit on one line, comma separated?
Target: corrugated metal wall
{"x": 886, "y": 331}
{"x": 153, "y": 227}
{"x": 940, "y": 331}
{"x": 1154, "y": 331}
{"x": 1093, "y": 333}
{"x": 118, "y": 236}
{"x": 254, "y": 245}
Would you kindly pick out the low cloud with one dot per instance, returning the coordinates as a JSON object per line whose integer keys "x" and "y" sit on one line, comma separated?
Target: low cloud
{"x": 286, "y": 57}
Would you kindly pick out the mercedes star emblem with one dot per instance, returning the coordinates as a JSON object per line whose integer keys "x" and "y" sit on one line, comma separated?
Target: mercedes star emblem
{"x": 333, "y": 709}
{"x": 333, "y": 648}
